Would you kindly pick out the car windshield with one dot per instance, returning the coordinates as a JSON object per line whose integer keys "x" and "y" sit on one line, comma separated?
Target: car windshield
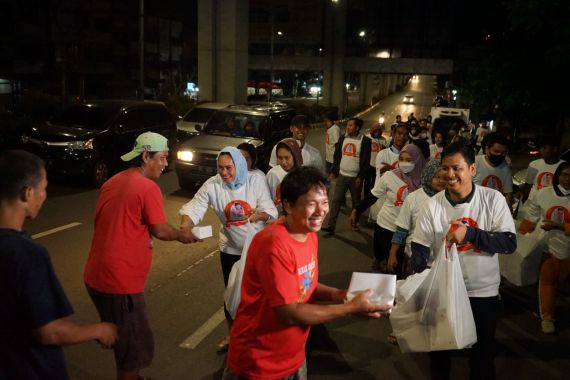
{"x": 90, "y": 117}
{"x": 234, "y": 124}
{"x": 199, "y": 115}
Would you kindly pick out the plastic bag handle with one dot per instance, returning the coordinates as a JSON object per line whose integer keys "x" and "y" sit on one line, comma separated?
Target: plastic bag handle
{"x": 452, "y": 228}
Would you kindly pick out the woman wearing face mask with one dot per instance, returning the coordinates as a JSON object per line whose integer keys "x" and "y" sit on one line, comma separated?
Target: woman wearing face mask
{"x": 492, "y": 169}
{"x": 288, "y": 157}
{"x": 237, "y": 199}
{"x": 433, "y": 181}
{"x": 395, "y": 185}
{"x": 551, "y": 206}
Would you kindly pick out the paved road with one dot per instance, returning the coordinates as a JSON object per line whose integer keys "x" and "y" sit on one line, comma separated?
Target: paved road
{"x": 184, "y": 295}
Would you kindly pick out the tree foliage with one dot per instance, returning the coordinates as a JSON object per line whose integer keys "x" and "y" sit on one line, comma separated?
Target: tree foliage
{"x": 519, "y": 69}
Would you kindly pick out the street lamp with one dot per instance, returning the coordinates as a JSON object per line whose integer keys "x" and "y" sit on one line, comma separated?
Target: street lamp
{"x": 362, "y": 34}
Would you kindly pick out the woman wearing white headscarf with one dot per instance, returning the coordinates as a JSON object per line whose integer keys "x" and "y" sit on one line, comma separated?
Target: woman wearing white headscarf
{"x": 237, "y": 198}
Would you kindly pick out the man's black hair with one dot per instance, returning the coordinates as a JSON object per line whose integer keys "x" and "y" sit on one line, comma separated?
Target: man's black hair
{"x": 462, "y": 148}
{"x": 18, "y": 169}
{"x": 332, "y": 116}
{"x": 138, "y": 161}
{"x": 300, "y": 181}
{"x": 357, "y": 121}
{"x": 249, "y": 148}
{"x": 495, "y": 138}
{"x": 402, "y": 125}
{"x": 556, "y": 178}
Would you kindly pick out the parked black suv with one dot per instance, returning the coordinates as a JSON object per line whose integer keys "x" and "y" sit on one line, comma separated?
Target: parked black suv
{"x": 262, "y": 125}
{"x": 88, "y": 139}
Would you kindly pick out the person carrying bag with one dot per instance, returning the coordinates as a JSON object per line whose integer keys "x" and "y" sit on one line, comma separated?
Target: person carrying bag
{"x": 437, "y": 314}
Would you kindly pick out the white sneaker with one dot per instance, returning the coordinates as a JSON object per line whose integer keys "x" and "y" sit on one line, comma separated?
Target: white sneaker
{"x": 548, "y": 327}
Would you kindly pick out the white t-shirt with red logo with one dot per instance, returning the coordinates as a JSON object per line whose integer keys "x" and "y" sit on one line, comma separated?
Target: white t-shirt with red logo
{"x": 274, "y": 178}
{"x": 549, "y": 206}
{"x": 331, "y": 138}
{"x": 408, "y": 215}
{"x": 233, "y": 208}
{"x": 350, "y": 156}
{"x": 493, "y": 177}
{"x": 539, "y": 174}
{"x": 395, "y": 190}
{"x": 435, "y": 152}
{"x": 488, "y": 211}
{"x": 376, "y": 145}
{"x": 386, "y": 156}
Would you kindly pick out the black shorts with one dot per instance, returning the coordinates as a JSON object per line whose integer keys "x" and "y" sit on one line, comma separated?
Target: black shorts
{"x": 134, "y": 349}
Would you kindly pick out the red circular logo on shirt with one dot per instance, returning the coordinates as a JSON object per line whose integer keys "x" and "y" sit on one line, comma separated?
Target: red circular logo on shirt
{"x": 544, "y": 179}
{"x": 558, "y": 214}
{"x": 349, "y": 149}
{"x": 375, "y": 147}
{"x": 493, "y": 182}
{"x": 237, "y": 213}
{"x": 401, "y": 194}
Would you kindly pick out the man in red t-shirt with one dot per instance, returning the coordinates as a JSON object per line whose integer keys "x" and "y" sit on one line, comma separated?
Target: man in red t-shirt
{"x": 129, "y": 212}
{"x": 280, "y": 285}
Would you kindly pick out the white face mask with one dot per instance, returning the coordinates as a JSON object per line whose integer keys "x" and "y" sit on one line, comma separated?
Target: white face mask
{"x": 406, "y": 167}
{"x": 563, "y": 190}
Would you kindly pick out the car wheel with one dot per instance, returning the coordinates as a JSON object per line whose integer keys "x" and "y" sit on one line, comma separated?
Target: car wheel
{"x": 99, "y": 173}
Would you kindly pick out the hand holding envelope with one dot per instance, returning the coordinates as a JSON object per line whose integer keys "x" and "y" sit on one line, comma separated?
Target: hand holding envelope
{"x": 375, "y": 288}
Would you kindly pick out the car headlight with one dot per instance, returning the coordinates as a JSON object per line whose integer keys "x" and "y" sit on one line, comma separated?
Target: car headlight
{"x": 80, "y": 145}
{"x": 381, "y": 120}
{"x": 184, "y": 155}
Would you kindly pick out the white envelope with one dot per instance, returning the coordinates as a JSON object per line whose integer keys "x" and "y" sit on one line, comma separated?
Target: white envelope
{"x": 202, "y": 232}
{"x": 384, "y": 286}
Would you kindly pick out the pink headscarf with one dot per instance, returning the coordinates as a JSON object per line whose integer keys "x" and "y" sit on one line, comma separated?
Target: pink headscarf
{"x": 414, "y": 178}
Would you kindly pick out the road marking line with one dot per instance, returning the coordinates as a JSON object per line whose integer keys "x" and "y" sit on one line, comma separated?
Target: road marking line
{"x": 209, "y": 255}
{"x": 54, "y": 230}
{"x": 203, "y": 331}
{"x": 196, "y": 263}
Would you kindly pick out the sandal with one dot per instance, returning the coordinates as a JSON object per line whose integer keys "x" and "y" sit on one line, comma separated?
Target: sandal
{"x": 223, "y": 345}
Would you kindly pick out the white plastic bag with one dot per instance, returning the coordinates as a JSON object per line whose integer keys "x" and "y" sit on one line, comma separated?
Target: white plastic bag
{"x": 522, "y": 266}
{"x": 232, "y": 293}
{"x": 437, "y": 315}
{"x": 406, "y": 288}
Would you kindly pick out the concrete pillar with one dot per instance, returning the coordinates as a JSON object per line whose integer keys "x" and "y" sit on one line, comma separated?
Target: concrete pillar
{"x": 223, "y": 50}
{"x": 334, "y": 90}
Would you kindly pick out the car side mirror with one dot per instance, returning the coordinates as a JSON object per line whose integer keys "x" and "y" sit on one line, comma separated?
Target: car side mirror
{"x": 198, "y": 127}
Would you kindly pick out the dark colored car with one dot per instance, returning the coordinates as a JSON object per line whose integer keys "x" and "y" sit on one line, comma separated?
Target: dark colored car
{"x": 262, "y": 125}
{"x": 87, "y": 139}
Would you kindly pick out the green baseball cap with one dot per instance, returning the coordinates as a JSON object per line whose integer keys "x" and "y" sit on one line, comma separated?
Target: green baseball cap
{"x": 148, "y": 141}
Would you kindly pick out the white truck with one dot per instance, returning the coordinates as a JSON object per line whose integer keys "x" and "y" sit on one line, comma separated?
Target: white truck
{"x": 445, "y": 118}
